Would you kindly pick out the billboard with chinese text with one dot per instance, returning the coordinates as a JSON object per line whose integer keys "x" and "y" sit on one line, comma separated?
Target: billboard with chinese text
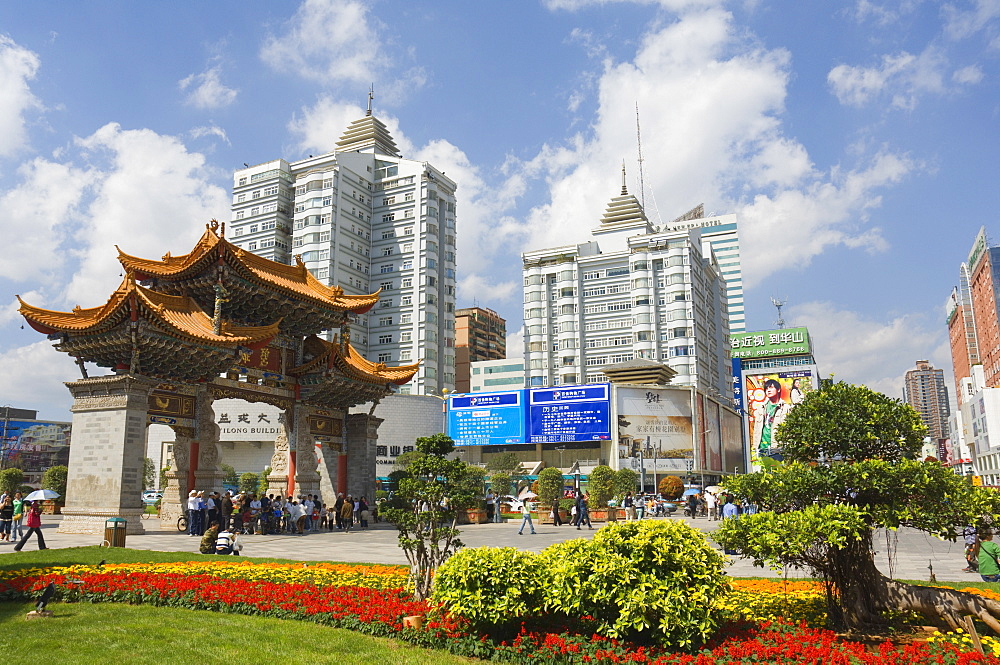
{"x": 569, "y": 413}
{"x": 655, "y": 421}
{"x": 770, "y": 343}
{"x": 769, "y": 398}
{"x": 487, "y": 419}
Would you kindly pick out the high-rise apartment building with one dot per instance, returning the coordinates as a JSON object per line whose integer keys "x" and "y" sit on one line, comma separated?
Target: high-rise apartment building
{"x": 480, "y": 334}
{"x": 722, "y": 234}
{"x": 362, "y": 218}
{"x": 925, "y": 390}
{"x": 632, "y": 292}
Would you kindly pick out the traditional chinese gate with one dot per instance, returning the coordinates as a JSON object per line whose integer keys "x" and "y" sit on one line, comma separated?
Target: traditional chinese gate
{"x": 171, "y": 360}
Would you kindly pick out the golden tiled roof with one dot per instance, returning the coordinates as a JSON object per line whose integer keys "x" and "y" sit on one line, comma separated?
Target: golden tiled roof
{"x": 353, "y": 364}
{"x": 178, "y": 313}
{"x": 293, "y": 280}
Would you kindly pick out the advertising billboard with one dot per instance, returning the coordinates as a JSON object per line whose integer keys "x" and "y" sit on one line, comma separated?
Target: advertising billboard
{"x": 769, "y": 399}
{"x": 487, "y": 419}
{"x": 657, "y": 421}
{"x": 24, "y": 437}
{"x": 569, "y": 413}
{"x": 770, "y": 343}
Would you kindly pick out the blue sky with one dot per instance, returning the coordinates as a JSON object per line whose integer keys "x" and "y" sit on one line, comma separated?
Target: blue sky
{"x": 856, "y": 141}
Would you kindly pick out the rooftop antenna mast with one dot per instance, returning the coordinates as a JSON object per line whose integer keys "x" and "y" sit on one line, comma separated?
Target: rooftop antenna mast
{"x": 638, "y": 138}
{"x": 371, "y": 96}
{"x": 779, "y": 303}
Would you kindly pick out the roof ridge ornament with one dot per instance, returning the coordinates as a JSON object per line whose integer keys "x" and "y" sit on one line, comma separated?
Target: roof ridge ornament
{"x": 215, "y": 227}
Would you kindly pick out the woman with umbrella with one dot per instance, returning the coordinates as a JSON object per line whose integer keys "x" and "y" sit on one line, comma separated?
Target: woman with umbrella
{"x": 34, "y": 523}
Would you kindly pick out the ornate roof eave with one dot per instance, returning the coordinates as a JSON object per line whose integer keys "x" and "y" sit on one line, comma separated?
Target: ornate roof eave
{"x": 179, "y": 315}
{"x": 354, "y": 365}
{"x": 212, "y": 248}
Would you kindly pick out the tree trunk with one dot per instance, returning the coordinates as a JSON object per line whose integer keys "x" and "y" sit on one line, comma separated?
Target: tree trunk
{"x": 860, "y": 597}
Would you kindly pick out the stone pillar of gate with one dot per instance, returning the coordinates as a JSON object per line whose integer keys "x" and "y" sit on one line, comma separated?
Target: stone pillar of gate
{"x": 208, "y": 473}
{"x": 108, "y": 452}
{"x": 306, "y": 473}
{"x": 175, "y": 494}
{"x": 277, "y": 480}
{"x": 362, "y": 435}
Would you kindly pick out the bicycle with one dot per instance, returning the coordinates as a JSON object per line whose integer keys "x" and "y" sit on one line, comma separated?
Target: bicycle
{"x": 182, "y": 523}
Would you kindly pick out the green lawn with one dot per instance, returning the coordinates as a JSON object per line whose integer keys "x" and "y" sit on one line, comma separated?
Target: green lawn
{"x": 82, "y": 633}
{"x": 68, "y": 556}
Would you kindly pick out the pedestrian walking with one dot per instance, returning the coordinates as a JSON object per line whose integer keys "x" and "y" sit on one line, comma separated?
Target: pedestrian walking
{"x": 526, "y": 519}
{"x": 989, "y": 558}
{"x": 34, "y": 527}
{"x": 15, "y": 527}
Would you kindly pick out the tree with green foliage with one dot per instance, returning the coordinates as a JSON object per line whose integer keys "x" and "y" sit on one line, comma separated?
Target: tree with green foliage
{"x": 229, "y": 477}
{"x": 249, "y": 482}
{"x": 671, "y": 487}
{"x": 148, "y": 474}
{"x": 550, "y": 486}
{"x": 10, "y": 480}
{"x": 425, "y": 509}
{"x": 600, "y": 486}
{"x": 55, "y": 478}
{"x": 404, "y": 460}
{"x": 849, "y": 468}
{"x": 500, "y": 483}
{"x": 262, "y": 481}
{"x": 505, "y": 462}
{"x": 625, "y": 480}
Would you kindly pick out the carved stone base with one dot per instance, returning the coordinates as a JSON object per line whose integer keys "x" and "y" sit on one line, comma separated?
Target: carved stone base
{"x": 277, "y": 485}
{"x": 93, "y": 523}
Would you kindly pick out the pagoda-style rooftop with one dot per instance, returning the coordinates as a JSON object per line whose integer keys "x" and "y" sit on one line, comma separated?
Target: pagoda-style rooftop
{"x": 148, "y": 332}
{"x": 258, "y": 291}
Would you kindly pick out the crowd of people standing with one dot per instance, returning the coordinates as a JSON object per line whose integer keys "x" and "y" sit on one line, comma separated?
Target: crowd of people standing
{"x": 269, "y": 514}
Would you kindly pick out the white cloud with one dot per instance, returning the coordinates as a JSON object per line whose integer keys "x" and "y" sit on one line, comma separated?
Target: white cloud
{"x": 970, "y": 75}
{"x": 151, "y": 196}
{"x": 474, "y": 287}
{"x": 672, "y": 5}
{"x": 18, "y": 65}
{"x": 207, "y": 90}
{"x": 963, "y": 23}
{"x": 830, "y": 211}
{"x": 45, "y": 201}
{"x": 903, "y": 77}
{"x": 35, "y": 374}
{"x": 515, "y": 343}
{"x": 873, "y": 352}
{"x": 210, "y": 130}
{"x": 329, "y": 41}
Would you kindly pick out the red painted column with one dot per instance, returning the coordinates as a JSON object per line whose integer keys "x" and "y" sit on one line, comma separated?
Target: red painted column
{"x": 342, "y": 473}
{"x": 291, "y": 473}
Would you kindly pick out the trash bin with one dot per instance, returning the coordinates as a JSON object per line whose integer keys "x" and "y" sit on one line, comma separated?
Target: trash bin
{"x": 114, "y": 531}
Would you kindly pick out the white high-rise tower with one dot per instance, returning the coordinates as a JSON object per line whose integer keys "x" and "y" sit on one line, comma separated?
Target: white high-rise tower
{"x": 365, "y": 219}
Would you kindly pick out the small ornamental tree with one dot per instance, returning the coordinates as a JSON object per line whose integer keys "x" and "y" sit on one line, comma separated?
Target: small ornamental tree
{"x": 500, "y": 483}
{"x": 600, "y": 486}
{"x": 229, "y": 476}
{"x": 425, "y": 509}
{"x": 55, "y": 478}
{"x": 550, "y": 484}
{"x": 10, "y": 480}
{"x": 671, "y": 487}
{"x": 148, "y": 474}
{"x": 849, "y": 469}
{"x": 625, "y": 480}
{"x": 249, "y": 482}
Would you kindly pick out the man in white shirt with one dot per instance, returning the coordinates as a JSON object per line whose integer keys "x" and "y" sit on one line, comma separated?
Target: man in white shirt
{"x": 255, "y": 514}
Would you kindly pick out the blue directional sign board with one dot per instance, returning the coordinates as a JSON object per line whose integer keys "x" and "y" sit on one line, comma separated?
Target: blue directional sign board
{"x": 569, "y": 413}
{"x": 487, "y": 419}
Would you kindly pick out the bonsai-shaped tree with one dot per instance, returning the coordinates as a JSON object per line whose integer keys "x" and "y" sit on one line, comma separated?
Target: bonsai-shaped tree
{"x": 249, "y": 482}
{"x": 550, "y": 485}
{"x": 600, "y": 486}
{"x": 671, "y": 487}
{"x": 426, "y": 506}
{"x": 849, "y": 469}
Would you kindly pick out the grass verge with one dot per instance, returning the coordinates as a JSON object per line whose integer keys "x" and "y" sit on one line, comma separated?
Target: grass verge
{"x": 84, "y": 633}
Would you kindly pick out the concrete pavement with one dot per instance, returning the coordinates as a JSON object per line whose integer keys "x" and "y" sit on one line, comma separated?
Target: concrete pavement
{"x": 905, "y": 555}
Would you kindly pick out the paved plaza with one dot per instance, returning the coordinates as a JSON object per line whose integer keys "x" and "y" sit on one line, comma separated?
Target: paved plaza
{"x": 913, "y": 553}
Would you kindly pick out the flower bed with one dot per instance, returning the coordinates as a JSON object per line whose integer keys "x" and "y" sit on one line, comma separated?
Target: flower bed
{"x": 371, "y": 599}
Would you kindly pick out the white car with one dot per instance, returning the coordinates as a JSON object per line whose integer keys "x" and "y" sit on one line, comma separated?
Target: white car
{"x": 150, "y": 497}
